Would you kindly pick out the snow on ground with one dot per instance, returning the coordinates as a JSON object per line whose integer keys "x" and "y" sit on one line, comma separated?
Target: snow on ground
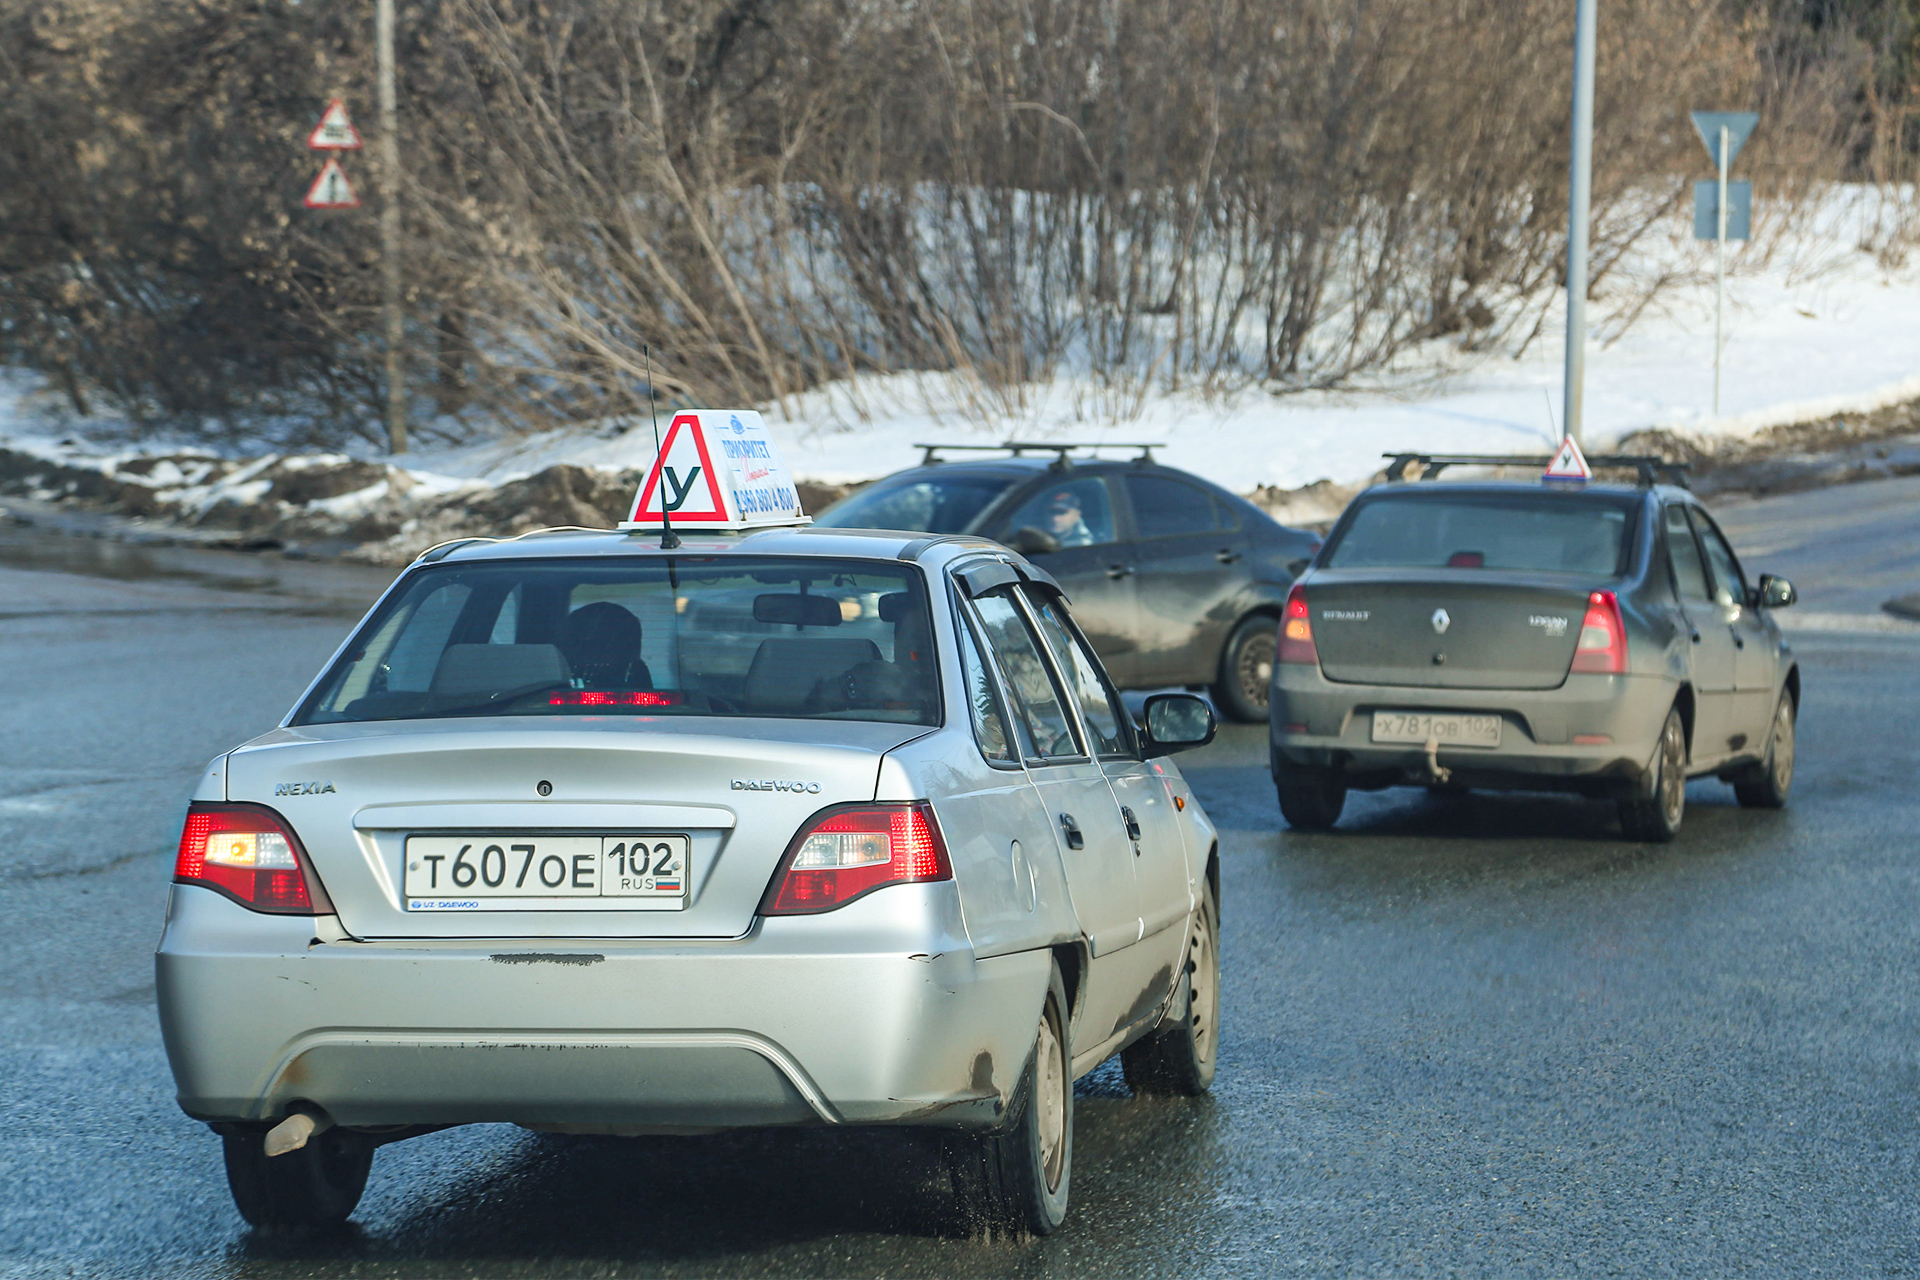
{"x": 1815, "y": 325}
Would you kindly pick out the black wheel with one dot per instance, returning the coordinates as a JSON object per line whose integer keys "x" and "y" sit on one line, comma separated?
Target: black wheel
{"x": 1311, "y": 799}
{"x": 1653, "y": 816}
{"x": 1017, "y": 1178}
{"x": 1179, "y": 1057}
{"x": 1772, "y": 778}
{"x": 316, "y": 1186}
{"x": 1246, "y": 670}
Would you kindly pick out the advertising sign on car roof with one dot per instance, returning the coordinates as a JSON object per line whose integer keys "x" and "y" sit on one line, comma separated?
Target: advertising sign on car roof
{"x": 717, "y": 469}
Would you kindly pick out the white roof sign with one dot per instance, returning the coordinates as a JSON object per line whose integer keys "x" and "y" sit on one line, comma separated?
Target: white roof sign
{"x": 717, "y": 469}
{"x": 334, "y": 132}
{"x": 1569, "y": 464}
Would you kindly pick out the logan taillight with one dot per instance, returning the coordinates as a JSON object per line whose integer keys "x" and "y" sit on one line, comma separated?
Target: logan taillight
{"x": 846, "y": 852}
{"x": 247, "y": 852}
{"x": 1296, "y": 630}
{"x": 1602, "y": 647}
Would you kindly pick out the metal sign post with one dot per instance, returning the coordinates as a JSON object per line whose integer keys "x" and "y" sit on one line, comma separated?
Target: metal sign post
{"x": 390, "y": 225}
{"x": 1724, "y": 132}
{"x": 1579, "y": 214}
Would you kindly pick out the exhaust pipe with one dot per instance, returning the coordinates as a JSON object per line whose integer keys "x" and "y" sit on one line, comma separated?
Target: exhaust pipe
{"x": 292, "y": 1133}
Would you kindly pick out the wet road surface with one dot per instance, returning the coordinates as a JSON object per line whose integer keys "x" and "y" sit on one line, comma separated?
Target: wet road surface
{"x": 1475, "y": 1035}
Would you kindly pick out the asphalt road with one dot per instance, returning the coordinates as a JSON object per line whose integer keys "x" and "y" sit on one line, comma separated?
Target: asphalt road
{"x": 1476, "y": 1035}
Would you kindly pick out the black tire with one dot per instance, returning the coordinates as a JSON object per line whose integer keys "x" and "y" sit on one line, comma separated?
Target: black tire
{"x": 312, "y": 1188}
{"x": 1179, "y": 1057}
{"x": 1245, "y": 687}
{"x": 1311, "y": 799}
{"x": 1017, "y": 1178}
{"x": 1767, "y": 786}
{"x": 1653, "y": 816}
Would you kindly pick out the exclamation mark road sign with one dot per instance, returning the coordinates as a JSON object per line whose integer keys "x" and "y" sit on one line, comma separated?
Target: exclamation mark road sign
{"x": 331, "y": 190}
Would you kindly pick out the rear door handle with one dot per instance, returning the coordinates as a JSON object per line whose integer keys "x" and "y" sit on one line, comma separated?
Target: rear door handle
{"x": 1133, "y": 828}
{"x": 1118, "y": 571}
{"x": 1074, "y": 839}
{"x": 1226, "y": 555}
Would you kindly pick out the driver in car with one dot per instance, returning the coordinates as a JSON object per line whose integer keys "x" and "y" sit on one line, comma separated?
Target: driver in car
{"x": 1067, "y": 523}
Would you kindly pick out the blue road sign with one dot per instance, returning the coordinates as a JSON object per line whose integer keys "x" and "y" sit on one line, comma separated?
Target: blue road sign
{"x": 1706, "y": 210}
{"x": 1738, "y": 125}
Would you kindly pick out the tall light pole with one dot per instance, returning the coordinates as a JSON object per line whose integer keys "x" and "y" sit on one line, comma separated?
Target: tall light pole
{"x": 390, "y": 225}
{"x": 1579, "y": 214}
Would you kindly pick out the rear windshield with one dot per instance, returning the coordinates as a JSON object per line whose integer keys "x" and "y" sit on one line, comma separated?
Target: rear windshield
{"x": 946, "y": 504}
{"x": 1528, "y": 532}
{"x": 659, "y": 636}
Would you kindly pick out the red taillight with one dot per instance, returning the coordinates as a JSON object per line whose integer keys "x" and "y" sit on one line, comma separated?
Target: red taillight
{"x": 247, "y": 852}
{"x": 1296, "y": 630}
{"x": 846, "y": 852}
{"x": 611, "y": 698}
{"x": 1602, "y": 647}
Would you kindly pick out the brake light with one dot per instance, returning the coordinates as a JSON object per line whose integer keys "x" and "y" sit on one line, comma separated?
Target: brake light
{"x": 1296, "y": 630}
{"x": 247, "y": 852}
{"x": 846, "y": 852}
{"x": 1602, "y": 647}
{"x": 611, "y": 698}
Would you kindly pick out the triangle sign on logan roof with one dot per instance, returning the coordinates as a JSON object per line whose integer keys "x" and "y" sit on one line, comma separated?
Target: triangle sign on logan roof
{"x": 717, "y": 469}
{"x": 1569, "y": 464}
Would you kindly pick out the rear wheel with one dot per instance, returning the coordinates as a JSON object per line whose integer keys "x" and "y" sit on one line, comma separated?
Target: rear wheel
{"x": 1311, "y": 799}
{"x": 1246, "y": 670}
{"x": 1017, "y": 1178}
{"x": 1772, "y": 778}
{"x": 1654, "y": 815}
{"x": 1178, "y": 1058}
{"x": 315, "y": 1186}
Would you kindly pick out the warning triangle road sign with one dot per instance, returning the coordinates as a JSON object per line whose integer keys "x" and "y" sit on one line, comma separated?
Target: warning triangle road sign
{"x": 691, "y": 487}
{"x": 331, "y": 190}
{"x": 1569, "y": 464}
{"x": 334, "y": 132}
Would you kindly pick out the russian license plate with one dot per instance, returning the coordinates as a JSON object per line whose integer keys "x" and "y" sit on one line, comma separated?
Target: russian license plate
{"x": 646, "y": 871}
{"x": 1448, "y": 730}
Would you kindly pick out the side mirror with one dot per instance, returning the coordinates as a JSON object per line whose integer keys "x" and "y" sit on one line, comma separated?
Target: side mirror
{"x": 1775, "y": 593}
{"x": 1175, "y": 722}
{"x": 1029, "y": 541}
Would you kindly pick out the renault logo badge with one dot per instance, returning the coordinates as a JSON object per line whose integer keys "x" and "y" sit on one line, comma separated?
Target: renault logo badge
{"x": 1441, "y": 622}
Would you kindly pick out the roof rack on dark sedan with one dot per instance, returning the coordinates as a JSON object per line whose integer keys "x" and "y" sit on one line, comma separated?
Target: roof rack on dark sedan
{"x": 1062, "y": 452}
{"x": 1649, "y": 469}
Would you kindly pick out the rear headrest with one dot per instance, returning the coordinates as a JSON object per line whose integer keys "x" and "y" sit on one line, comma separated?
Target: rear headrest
{"x": 474, "y": 673}
{"x": 894, "y": 605}
{"x": 784, "y": 671}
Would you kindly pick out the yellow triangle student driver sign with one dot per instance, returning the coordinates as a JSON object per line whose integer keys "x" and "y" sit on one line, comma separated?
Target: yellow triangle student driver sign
{"x": 717, "y": 469}
{"x": 1569, "y": 465}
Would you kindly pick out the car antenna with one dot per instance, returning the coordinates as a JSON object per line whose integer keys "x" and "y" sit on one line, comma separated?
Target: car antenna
{"x": 669, "y": 540}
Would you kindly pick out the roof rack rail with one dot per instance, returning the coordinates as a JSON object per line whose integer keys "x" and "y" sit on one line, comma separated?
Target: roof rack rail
{"x": 1062, "y": 451}
{"x": 1649, "y": 469}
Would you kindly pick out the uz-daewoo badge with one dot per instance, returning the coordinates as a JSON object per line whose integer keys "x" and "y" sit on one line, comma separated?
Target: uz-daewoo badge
{"x": 1441, "y": 622}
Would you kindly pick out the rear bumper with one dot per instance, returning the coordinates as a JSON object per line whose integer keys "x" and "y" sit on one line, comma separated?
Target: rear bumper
{"x": 1335, "y": 726}
{"x": 873, "y": 1013}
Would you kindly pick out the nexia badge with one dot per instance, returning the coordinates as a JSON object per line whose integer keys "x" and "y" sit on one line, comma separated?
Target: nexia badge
{"x": 302, "y": 788}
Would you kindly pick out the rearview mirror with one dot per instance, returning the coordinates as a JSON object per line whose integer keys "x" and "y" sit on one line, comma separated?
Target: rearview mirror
{"x": 1029, "y": 541}
{"x": 1776, "y": 593}
{"x": 797, "y": 610}
{"x": 1175, "y": 722}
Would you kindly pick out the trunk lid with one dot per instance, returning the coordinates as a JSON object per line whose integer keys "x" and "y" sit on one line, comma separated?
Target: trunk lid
{"x": 1448, "y": 629}
{"x": 354, "y": 793}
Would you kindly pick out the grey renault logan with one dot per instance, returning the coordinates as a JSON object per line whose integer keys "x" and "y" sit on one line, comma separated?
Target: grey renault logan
{"x": 1603, "y": 639}
{"x": 795, "y": 827}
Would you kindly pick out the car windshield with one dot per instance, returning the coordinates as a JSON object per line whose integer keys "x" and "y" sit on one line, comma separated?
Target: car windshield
{"x": 660, "y": 635}
{"x": 936, "y": 504}
{"x": 1528, "y": 532}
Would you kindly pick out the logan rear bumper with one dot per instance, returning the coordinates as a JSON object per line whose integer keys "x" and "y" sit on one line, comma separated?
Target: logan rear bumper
{"x": 874, "y": 1017}
{"x": 1536, "y": 738}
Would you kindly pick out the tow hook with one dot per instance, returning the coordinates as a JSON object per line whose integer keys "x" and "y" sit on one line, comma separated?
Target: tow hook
{"x": 292, "y": 1133}
{"x": 1436, "y": 773}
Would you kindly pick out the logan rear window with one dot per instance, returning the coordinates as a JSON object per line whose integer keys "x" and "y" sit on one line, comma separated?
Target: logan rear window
{"x": 1537, "y": 533}
{"x": 732, "y": 636}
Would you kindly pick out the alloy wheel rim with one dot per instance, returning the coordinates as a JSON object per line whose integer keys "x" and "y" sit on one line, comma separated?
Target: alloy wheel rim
{"x": 1053, "y": 1105}
{"x": 1782, "y": 748}
{"x": 1203, "y": 988}
{"x": 1673, "y": 776}
{"x": 1256, "y": 668}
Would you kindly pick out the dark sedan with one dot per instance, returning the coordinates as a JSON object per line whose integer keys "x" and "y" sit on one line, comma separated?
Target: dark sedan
{"x": 1175, "y": 580}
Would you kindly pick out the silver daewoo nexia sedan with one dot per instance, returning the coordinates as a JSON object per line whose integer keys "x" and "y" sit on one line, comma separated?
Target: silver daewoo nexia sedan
{"x": 792, "y": 827}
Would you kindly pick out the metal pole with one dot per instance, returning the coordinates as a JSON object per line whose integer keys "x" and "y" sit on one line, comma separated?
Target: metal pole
{"x": 1719, "y": 268}
{"x": 390, "y": 226}
{"x": 1579, "y": 213}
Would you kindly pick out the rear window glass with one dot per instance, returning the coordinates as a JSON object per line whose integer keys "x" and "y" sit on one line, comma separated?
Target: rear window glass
{"x": 1544, "y": 533}
{"x": 663, "y": 635}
